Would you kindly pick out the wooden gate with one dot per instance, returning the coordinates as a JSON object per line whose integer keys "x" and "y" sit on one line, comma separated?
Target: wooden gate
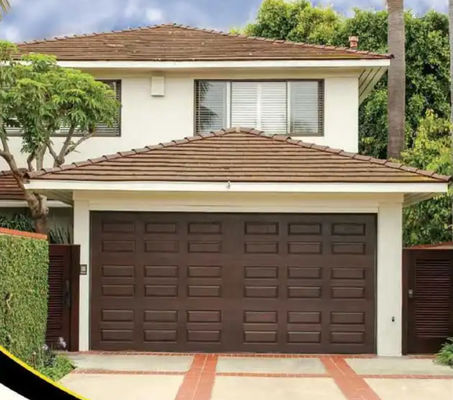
{"x": 427, "y": 298}
{"x": 63, "y": 305}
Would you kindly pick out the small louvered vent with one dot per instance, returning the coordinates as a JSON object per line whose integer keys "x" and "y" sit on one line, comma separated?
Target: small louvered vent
{"x": 56, "y": 298}
{"x": 433, "y": 287}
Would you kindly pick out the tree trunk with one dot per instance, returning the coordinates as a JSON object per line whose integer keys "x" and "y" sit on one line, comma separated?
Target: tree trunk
{"x": 396, "y": 79}
{"x": 37, "y": 204}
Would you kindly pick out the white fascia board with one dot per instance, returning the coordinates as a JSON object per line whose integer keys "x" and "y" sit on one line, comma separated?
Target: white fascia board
{"x": 174, "y": 65}
{"x": 240, "y": 187}
{"x": 23, "y": 204}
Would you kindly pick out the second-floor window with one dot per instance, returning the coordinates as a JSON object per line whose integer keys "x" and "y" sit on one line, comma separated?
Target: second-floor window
{"x": 293, "y": 107}
{"x": 101, "y": 129}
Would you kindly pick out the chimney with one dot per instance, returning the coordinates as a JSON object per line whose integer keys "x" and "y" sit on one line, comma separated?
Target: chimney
{"x": 353, "y": 42}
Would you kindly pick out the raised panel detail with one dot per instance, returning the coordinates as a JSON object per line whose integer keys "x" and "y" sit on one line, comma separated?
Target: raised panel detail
{"x": 304, "y": 229}
{"x": 200, "y": 271}
{"x": 203, "y": 316}
{"x": 117, "y": 335}
{"x": 348, "y": 248}
{"x": 118, "y": 227}
{"x": 304, "y": 272}
{"x": 261, "y": 247}
{"x": 304, "y": 337}
{"x": 118, "y": 315}
{"x": 304, "y": 291}
{"x": 161, "y": 316}
{"x": 161, "y": 246}
{"x": 161, "y": 271}
{"x": 348, "y": 292}
{"x": 348, "y": 229}
{"x": 126, "y": 271}
{"x": 338, "y": 317}
{"x": 117, "y": 290}
{"x": 204, "y": 227}
{"x": 261, "y": 272}
{"x": 161, "y": 227}
{"x": 347, "y": 337}
{"x": 260, "y": 336}
{"x": 261, "y": 291}
{"x": 204, "y": 291}
{"x": 304, "y": 317}
{"x": 261, "y": 228}
{"x": 304, "y": 247}
{"x": 260, "y": 316}
{"x": 203, "y": 336}
{"x": 161, "y": 290}
{"x": 160, "y": 335}
{"x": 118, "y": 246}
{"x": 348, "y": 273}
{"x": 204, "y": 246}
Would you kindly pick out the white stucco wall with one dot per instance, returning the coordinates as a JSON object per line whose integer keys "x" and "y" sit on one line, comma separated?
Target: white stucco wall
{"x": 388, "y": 208}
{"x": 148, "y": 120}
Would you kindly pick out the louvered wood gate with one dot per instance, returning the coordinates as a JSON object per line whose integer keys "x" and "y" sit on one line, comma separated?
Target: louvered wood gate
{"x": 63, "y": 304}
{"x": 427, "y": 299}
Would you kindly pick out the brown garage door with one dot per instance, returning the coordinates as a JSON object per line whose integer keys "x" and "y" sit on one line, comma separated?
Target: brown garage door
{"x": 233, "y": 282}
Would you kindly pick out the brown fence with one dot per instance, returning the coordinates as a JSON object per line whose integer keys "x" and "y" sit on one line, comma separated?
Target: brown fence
{"x": 63, "y": 306}
{"x": 427, "y": 298}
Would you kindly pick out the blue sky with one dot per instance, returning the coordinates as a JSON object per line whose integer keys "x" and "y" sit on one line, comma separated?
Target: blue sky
{"x": 36, "y": 19}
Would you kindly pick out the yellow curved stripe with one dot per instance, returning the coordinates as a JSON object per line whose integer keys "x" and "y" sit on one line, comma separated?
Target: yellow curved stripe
{"x": 37, "y": 373}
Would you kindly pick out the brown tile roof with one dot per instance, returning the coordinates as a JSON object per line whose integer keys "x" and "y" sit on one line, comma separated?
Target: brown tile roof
{"x": 171, "y": 42}
{"x": 9, "y": 189}
{"x": 238, "y": 155}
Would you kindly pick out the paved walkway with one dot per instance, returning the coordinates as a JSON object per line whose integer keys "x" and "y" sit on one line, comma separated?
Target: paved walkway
{"x": 163, "y": 376}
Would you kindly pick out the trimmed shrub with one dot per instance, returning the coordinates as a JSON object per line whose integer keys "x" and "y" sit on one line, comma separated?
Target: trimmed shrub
{"x": 24, "y": 264}
{"x": 445, "y": 355}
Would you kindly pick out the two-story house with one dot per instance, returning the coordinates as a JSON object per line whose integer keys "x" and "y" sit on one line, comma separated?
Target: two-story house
{"x": 215, "y": 235}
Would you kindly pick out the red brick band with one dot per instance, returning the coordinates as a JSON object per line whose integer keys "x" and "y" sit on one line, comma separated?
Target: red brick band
{"x": 352, "y": 385}
{"x": 14, "y": 232}
{"x": 199, "y": 380}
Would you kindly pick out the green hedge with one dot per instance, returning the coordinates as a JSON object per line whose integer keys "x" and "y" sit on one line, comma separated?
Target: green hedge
{"x": 23, "y": 295}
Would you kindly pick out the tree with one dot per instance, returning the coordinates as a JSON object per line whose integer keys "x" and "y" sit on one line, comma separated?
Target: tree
{"x": 429, "y": 221}
{"x": 396, "y": 78}
{"x": 450, "y": 23}
{"x": 296, "y": 20}
{"x": 4, "y": 6}
{"x": 39, "y": 97}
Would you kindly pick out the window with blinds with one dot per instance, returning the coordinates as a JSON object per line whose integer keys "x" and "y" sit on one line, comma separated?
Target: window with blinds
{"x": 101, "y": 129}
{"x": 284, "y": 107}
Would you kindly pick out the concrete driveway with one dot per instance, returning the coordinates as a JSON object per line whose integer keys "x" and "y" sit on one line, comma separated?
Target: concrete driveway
{"x": 140, "y": 376}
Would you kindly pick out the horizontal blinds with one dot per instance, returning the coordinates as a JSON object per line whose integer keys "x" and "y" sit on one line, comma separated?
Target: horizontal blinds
{"x": 244, "y": 104}
{"x": 211, "y": 100}
{"x": 273, "y": 107}
{"x": 306, "y": 107}
{"x": 101, "y": 129}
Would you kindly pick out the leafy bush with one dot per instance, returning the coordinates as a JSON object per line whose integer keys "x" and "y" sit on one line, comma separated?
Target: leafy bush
{"x": 23, "y": 294}
{"x": 20, "y": 222}
{"x": 52, "y": 365}
{"x": 23, "y": 222}
{"x": 445, "y": 355}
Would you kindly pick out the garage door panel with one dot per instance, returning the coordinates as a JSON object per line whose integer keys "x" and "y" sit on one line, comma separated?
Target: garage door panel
{"x": 233, "y": 282}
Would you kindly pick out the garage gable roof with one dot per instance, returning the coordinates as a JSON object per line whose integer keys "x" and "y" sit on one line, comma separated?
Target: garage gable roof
{"x": 238, "y": 155}
{"x": 172, "y": 42}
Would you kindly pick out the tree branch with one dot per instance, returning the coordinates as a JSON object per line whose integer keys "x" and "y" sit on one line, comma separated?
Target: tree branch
{"x": 53, "y": 153}
{"x": 79, "y": 142}
{"x": 59, "y": 160}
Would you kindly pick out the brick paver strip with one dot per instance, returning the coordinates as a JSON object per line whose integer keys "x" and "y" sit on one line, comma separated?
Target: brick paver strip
{"x": 199, "y": 380}
{"x": 352, "y": 385}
